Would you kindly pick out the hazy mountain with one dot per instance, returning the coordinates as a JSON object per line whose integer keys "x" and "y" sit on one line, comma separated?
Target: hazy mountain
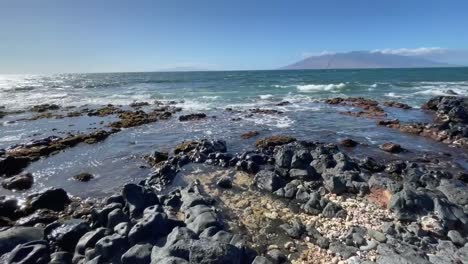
{"x": 363, "y": 60}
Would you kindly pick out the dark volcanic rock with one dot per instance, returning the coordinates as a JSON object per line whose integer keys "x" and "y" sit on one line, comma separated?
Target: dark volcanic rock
{"x": 66, "y": 235}
{"x": 224, "y": 182}
{"x": 138, "y": 254}
{"x": 249, "y": 134}
{"x": 53, "y": 199}
{"x": 269, "y": 180}
{"x": 12, "y": 165}
{"x": 15, "y": 236}
{"x": 274, "y": 141}
{"x": 89, "y": 240}
{"x": 191, "y": 117}
{"x": 137, "y": 198}
{"x": 31, "y": 252}
{"x": 408, "y": 204}
{"x": 151, "y": 226}
{"x": 349, "y": 143}
{"x": 391, "y": 147}
{"x": 83, "y": 177}
{"x": 19, "y": 182}
{"x": 44, "y": 107}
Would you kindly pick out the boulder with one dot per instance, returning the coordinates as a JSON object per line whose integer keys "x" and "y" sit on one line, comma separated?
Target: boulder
{"x": 268, "y": 180}
{"x": 83, "y": 177}
{"x": 32, "y": 252}
{"x": 15, "y": 236}
{"x": 273, "y": 141}
{"x": 455, "y": 190}
{"x": 53, "y": 199}
{"x": 112, "y": 247}
{"x": 89, "y": 240}
{"x": 12, "y": 165}
{"x": 137, "y": 198}
{"x": 65, "y": 235}
{"x": 151, "y": 226}
{"x": 19, "y": 182}
{"x": 408, "y": 204}
{"x": 391, "y": 147}
{"x": 138, "y": 254}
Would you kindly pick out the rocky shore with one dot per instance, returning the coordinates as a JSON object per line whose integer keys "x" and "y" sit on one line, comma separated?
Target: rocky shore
{"x": 284, "y": 201}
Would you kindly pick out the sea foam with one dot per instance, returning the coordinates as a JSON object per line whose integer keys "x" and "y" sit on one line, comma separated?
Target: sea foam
{"x": 320, "y": 87}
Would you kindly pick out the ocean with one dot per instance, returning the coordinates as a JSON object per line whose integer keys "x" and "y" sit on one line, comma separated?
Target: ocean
{"x": 118, "y": 159}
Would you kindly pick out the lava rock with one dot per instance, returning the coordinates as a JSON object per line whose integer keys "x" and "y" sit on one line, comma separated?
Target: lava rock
{"x": 137, "y": 198}
{"x": 224, "y": 182}
{"x": 151, "y": 226}
{"x": 295, "y": 230}
{"x": 191, "y": 117}
{"x": 31, "y": 252}
{"x": 12, "y": 165}
{"x": 349, "y": 143}
{"x": 89, "y": 240}
{"x": 268, "y": 180}
{"x": 53, "y": 199}
{"x": 15, "y": 236}
{"x": 83, "y": 177}
{"x": 112, "y": 247}
{"x": 391, "y": 147}
{"x": 67, "y": 234}
{"x": 19, "y": 182}
{"x": 138, "y": 254}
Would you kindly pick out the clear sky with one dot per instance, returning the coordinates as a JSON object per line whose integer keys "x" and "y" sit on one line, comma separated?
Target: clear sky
{"x": 42, "y": 36}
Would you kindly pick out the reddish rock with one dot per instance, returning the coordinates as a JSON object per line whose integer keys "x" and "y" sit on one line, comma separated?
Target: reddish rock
{"x": 249, "y": 134}
{"x": 274, "y": 141}
{"x": 391, "y": 147}
{"x": 349, "y": 143}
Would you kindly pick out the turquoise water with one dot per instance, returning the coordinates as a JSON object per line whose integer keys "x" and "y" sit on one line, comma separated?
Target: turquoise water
{"x": 118, "y": 160}
{"x": 203, "y": 90}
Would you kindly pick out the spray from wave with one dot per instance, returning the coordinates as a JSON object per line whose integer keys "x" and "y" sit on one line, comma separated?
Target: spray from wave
{"x": 308, "y": 88}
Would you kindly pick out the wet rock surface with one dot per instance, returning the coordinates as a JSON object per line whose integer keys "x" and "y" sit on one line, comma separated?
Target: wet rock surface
{"x": 450, "y": 122}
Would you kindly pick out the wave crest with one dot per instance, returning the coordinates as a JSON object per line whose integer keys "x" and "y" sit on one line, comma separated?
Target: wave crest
{"x": 320, "y": 87}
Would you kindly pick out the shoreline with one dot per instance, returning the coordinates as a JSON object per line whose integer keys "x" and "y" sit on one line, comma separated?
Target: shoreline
{"x": 284, "y": 199}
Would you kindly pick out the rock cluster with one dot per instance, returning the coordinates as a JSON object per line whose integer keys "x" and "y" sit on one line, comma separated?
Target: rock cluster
{"x": 369, "y": 108}
{"x": 136, "y": 226}
{"x": 451, "y": 121}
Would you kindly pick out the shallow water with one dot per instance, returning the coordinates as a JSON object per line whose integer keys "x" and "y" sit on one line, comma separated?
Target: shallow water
{"x": 118, "y": 159}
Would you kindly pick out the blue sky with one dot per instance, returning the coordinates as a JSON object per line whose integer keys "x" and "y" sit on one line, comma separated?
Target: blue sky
{"x": 116, "y": 35}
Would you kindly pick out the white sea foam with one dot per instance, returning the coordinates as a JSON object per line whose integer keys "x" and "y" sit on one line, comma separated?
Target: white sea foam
{"x": 272, "y": 120}
{"x": 392, "y": 94}
{"x": 265, "y": 96}
{"x": 320, "y": 87}
{"x": 211, "y": 97}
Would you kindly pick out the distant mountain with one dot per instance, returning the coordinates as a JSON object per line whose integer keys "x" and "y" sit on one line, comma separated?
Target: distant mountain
{"x": 363, "y": 60}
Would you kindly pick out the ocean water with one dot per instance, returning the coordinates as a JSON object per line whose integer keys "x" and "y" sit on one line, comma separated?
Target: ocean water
{"x": 118, "y": 159}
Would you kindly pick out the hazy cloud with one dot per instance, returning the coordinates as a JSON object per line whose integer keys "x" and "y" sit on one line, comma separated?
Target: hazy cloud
{"x": 412, "y": 52}
{"x": 310, "y": 54}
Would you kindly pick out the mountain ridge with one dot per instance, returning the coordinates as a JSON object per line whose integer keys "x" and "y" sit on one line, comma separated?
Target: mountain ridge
{"x": 363, "y": 60}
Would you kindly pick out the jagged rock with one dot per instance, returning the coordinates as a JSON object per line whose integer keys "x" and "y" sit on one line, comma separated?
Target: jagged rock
{"x": 331, "y": 210}
{"x": 456, "y": 191}
{"x": 137, "y": 198}
{"x": 335, "y": 185}
{"x": 295, "y": 230}
{"x": 408, "y": 204}
{"x": 192, "y": 117}
{"x": 268, "y": 180}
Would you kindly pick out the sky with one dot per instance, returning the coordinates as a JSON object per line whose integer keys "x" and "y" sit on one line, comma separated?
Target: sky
{"x": 50, "y": 36}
